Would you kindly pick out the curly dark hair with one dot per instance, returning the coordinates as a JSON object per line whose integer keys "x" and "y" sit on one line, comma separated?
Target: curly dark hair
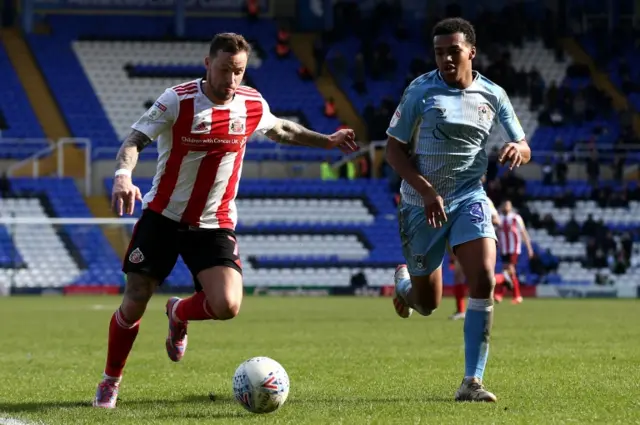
{"x": 456, "y": 25}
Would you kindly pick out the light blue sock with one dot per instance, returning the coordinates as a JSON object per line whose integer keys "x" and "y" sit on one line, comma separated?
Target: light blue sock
{"x": 403, "y": 288}
{"x": 477, "y": 329}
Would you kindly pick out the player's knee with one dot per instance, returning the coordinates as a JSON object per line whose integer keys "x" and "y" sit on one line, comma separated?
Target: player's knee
{"x": 483, "y": 284}
{"x": 427, "y": 293}
{"x": 426, "y": 305}
{"x": 137, "y": 293}
{"x": 424, "y": 311}
{"x": 225, "y": 308}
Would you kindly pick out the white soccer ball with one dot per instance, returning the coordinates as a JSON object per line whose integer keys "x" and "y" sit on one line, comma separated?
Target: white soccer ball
{"x": 261, "y": 385}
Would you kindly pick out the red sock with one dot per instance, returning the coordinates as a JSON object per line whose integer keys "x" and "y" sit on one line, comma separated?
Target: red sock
{"x": 460, "y": 291}
{"x": 499, "y": 279}
{"x": 122, "y": 334}
{"x": 195, "y": 307}
{"x": 516, "y": 286}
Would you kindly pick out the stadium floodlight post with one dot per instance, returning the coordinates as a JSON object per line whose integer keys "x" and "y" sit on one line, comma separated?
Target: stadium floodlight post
{"x": 27, "y": 15}
{"x": 87, "y": 159}
{"x": 14, "y": 252}
{"x": 179, "y": 16}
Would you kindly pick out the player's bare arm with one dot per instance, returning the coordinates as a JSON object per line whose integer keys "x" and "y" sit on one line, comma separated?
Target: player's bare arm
{"x": 125, "y": 193}
{"x": 127, "y": 157}
{"x": 527, "y": 241}
{"x": 515, "y": 153}
{"x": 495, "y": 219}
{"x": 290, "y": 133}
{"x": 399, "y": 157}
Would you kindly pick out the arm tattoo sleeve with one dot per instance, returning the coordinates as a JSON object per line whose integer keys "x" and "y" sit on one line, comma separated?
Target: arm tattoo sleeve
{"x": 128, "y": 154}
{"x": 138, "y": 139}
{"x": 290, "y": 133}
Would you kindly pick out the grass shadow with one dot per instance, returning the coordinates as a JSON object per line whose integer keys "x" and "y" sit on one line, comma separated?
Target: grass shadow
{"x": 38, "y": 406}
{"x": 332, "y": 401}
{"x": 216, "y": 400}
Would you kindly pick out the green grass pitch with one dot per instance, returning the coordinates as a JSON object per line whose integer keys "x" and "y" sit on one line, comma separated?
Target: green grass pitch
{"x": 350, "y": 361}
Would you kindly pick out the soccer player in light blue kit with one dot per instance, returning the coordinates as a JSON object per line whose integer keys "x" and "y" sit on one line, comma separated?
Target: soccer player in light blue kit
{"x": 437, "y": 140}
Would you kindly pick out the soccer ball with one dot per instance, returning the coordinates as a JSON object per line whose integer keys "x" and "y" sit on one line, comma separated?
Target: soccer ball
{"x": 261, "y": 385}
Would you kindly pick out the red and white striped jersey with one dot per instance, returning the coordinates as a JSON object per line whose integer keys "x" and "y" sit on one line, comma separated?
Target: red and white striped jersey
{"x": 201, "y": 146}
{"x": 510, "y": 232}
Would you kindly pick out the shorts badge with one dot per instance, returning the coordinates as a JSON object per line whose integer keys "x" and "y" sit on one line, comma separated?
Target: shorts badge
{"x": 419, "y": 261}
{"x": 136, "y": 256}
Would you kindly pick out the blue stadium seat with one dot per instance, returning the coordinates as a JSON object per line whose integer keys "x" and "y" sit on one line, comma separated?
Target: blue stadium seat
{"x": 89, "y": 242}
{"x": 86, "y": 117}
{"x": 9, "y": 255}
{"x": 18, "y": 114}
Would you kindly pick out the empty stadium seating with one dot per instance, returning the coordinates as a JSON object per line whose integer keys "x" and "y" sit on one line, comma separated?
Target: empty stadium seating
{"x": 103, "y": 70}
{"x": 301, "y": 233}
{"x": 101, "y": 100}
{"x": 615, "y": 48}
{"x": 24, "y": 135}
{"x": 58, "y": 256}
{"x": 44, "y": 260}
{"x": 572, "y": 254}
{"x": 311, "y": 232}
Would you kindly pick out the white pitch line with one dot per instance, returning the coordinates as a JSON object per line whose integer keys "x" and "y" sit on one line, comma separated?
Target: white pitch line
{"x": 13, "y": 421}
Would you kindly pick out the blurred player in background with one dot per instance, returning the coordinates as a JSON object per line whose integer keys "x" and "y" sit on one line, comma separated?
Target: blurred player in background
{"x": 202, "y": 129}
{"x": 460, "y": 284}
{"x": 511, "y": 234}
{"x": 437, "y": 139}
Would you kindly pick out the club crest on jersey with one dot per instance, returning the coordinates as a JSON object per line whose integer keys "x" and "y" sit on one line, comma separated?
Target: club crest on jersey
{"x": 156, "y": 111}
{"x": 136, "y": 256}
{"x": 441, "y": 112}
{"x": 395, "y": 118}
{"x": 237, "y": 125}
{"x": 484, "y": 113}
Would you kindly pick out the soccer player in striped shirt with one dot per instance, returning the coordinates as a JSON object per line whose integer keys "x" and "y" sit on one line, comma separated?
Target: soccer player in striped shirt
{"x": 202, "y": 128}
{"x": 437, "y": 139}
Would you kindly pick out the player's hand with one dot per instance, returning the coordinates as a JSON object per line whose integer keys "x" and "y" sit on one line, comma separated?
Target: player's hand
{"x": 124, "y": 195}
{"x": 344, "y": 140}
{"x": 531, "y": 253}
{"x": 510, "y": 153}
{"x": 434, "y": 209}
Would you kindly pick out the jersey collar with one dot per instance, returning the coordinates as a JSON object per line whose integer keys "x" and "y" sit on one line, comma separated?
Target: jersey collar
{"x": 476, "y": 76}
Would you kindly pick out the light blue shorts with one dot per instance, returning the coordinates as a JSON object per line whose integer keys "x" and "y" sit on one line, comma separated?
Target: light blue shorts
{"x": 424, "y": 247}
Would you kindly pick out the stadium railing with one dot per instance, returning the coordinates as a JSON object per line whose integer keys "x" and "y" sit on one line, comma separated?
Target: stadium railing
{"x": 580, "y": 152}
{"x": 57, "y": 149}
{"x": 42, "y": 253}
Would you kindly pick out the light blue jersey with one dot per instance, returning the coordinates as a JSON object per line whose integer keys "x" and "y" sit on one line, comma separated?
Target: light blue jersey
{"x": 448, "y": 129}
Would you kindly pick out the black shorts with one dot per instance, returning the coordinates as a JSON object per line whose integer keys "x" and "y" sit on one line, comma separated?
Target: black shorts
{"x": 157, "y": 241}
{"x": 510, "y": 259}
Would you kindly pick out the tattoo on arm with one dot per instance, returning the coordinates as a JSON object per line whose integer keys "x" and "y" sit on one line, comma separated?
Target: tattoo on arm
{"x": 138, "y": 139}
{"x": 128, "y": 154}
{"x": 290, "y": 133}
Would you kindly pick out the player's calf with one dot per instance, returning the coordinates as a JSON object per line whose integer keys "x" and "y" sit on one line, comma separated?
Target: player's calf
{"x": 123, "y": 330}
{"x": 478, "y": 260}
